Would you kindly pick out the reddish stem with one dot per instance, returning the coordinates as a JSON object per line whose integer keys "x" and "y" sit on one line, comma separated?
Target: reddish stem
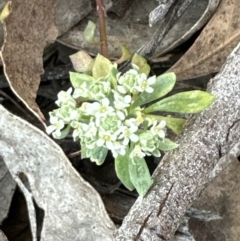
{"x": 102, "y": 28}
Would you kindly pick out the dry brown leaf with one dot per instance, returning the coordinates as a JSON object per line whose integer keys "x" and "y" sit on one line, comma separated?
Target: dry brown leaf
{"x": 214, "y": 44}
{"x": 29, "y": 28}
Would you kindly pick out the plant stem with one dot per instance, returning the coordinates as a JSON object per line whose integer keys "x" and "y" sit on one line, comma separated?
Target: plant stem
{"x": 102, "y": 26}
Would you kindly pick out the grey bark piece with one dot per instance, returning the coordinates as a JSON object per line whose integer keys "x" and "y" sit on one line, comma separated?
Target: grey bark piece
{"x": 183, "y": 173}
{"x": 70, "y": 12}
{"x": 73, "y": 209}
{"x": 2, "y": 236}
{"x": 7, "y": 188}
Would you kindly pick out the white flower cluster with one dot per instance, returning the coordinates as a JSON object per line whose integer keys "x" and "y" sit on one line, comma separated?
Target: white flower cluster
{"x": 106, "y": 119}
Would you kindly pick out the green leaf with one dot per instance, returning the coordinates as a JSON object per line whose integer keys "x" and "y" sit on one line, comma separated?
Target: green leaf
{"x": 167, "y": 145}
{"x": 113, "y": 76}
{"x": 77, "y": 79}
{"x": 98, "y": 155}
{"x": 82, "y": 62}
{"x": 126, "y": 55}
{"x": 84, "y": 153}
{"x": 122, "y": 170}
{"x": 164, "y": 84}
{"x": 141, "y": 63}
{"x": 175, "y": 124}
{"x": 89, "y": 33}
{"x": 140, "y": 175}
{"x": 101, "y": 67}
{"x": 186, "y": 102}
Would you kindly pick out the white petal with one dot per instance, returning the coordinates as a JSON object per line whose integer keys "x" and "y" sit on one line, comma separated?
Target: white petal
{"x": 149, "y": 89}
{"x": 133, "y": 137}
{"x": 121, "y": 89}
{"x": 109, "y": 145}
{"x": 105, "y": 102}
{"x": 100, "y": 142}
{"x": 127, "y": 99}
{"x": 152, "y": 80}
{"x": 120, "y": 115}
{"x": 162, "y": 124}
{"x": 50, "y": 129}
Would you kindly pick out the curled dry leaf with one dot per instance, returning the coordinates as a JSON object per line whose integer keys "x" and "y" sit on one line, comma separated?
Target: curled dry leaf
{"x": 214, "y": 44}
{"x": 196, "y": 16}
{"x": 29, "y": 28}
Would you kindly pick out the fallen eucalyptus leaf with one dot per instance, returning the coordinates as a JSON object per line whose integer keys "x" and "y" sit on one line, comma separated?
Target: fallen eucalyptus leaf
{"x": 73, "y": 210}
{"x": 6, "y": 11}
{"x": 7, "y": 188}
{"x": 196, "y": 16}
{"x": 214, "y": 44}
{"x": 138, "y": 33}
{"x": 27, "y": 41}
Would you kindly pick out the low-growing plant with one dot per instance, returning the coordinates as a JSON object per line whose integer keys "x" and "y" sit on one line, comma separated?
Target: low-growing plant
{"x": 119, "y": 112}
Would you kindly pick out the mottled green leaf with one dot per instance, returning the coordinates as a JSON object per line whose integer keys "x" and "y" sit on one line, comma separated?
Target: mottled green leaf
{"x": 185, "y": 102}
{"x": 164, "y": 84}
{"x": 84, "y": 153}
{"x": 167, "y": 145}
{"x": 141, "y": 63}
{"x": 77, "y": 79}
{"x": 89, "y": 33}
{"x": 122, "y": 170}
{"x": 101, "y": 67}
{"x": 98, "y": 155}
{"x": 140, "y": 175}
{"x": 175, "y": 124}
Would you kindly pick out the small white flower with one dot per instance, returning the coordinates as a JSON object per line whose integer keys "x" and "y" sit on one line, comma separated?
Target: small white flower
{"x": 77, "y": 132}
{"x": 143, "y": 84}
{"x": 137, "y": 152}
{"x": 158, "y": 129}
{"x": 118, "y": 149}
{"x": 56, "y": 127}
{"x": 128, "y": 131}
{"x": 81, "y": 91}
{"x": 99, "y": 110}
{"x": 106, "y": 138}
{"x": 127, "y": 81}
{"x": 65, "y": 98}
{"x": 121, "y": 102}
{"x": 90, "y": 129}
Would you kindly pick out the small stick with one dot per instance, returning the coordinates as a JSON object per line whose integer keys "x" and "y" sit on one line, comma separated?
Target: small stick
{"x": 102, "y": 26}
{"x": 13, "y": 101}
{"x": 73, "y": 154}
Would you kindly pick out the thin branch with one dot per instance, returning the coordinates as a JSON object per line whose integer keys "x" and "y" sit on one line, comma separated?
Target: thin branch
{"x": 102, "y": 26}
